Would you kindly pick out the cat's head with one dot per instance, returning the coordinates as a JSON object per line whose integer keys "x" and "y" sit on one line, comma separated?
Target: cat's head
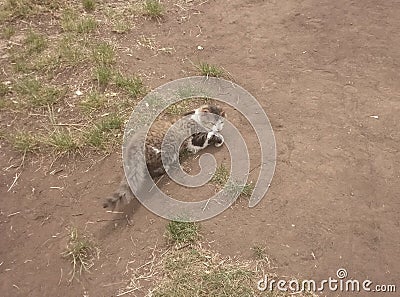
{"x": 210, "y": 117}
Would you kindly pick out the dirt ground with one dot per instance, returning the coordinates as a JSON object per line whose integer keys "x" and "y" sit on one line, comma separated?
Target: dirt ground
{"x": 327, "y": 73}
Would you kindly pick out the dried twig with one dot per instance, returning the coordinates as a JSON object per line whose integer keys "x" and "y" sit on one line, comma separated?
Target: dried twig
{"x": 15, "y": 180}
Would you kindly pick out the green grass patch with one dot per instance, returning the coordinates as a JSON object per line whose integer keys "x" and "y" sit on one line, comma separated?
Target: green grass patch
{"x": 101, "y": 134}
{"x": 236, "y": 188}
{"x": 36, "y": 94}
{"x": 89, "y": 5}
{"x": 4, "y": 90}
{"x": 20, "y": 64}
{"x": 24, "y": 142}
{"x": 103, "y": 54}
{"x": 71, "y": 51}
{"x": 111, "y": 122}
{"x": 133, "y": 85}
{"x": 221, "y": 175}
{"x": 62, "y": 141}
{"x": 35, "y": 42}
{"x": 96, "y": 138}
{"x": 18, "y": 8}
{"x": 71, "y": 22}
{"x": 8, "y": 32}
{"x": 153, "y": 9}
{"x": 92, "y": 102}
{"x": 103, "y": 74}
{"x": 210, "y": 70}
{"x": 178, "y": 108}
{"x": 182, "y": 232}
{"x": 3, "y": 102}
{"x": 120, "y": 25}
{"x": 86, "y": 25}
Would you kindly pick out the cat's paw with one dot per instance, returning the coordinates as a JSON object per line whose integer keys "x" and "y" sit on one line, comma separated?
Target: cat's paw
{"x": 219, "y": 140}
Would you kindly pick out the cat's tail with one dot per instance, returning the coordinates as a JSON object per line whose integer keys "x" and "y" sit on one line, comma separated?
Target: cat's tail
{"x": 136, "y": 173}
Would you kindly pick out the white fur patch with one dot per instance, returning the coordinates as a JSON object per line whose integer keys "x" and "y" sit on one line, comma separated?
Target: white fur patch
{"x": 156, "y": 150}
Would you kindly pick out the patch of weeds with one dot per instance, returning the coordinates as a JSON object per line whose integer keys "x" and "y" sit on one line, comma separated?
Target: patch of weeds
{"x": 247, "y": 189}
{"x": 120, "y": 26}
{"x": 35, "y": 42}
{"x": 103, "y": 74}
{"x": 197, "y": 272}
{"x": 235, "y": 188}
{"x": 68, "y": 20}
{"x": 8, "y": 32}
{"x": 89, "y": 5}
{"x": 99, "y": 135}
{"x": 51, "y": 4}
{"x": 70, "y": 51}
{"x": 96, "y": 138}
{"x": 3, "y": 90}
{"x": 178, "y": 108}
{"x": 258, "y": 252}
{"x": 29, "y": 62}
{"x": 20, "y": 64}
{"x": 27, "y": 86}
{"x": 183, "y": 106}
{"x": 24, "y": 142}
{"x": 81, "y": 250}
{"x": 36, "y": 94}
{"x": 62, "y": 141}
{"x": 44, "y": 63}
{"x": 220, "y": 176}
{"x": 111, "y": 122}
{"x": 153, "y": 9}
{"x": 103, "y": 54}
{"x": 133, "y": 85}
{"x": 19, "y": 8}
{"x": 3, "y": 103}
{"x": 94, "y": 101}
{"x": 182, "y": 232}
{"x": 86, "y": 25}
{"x": 210, "y": 70}
{"x": 71, "y": 22}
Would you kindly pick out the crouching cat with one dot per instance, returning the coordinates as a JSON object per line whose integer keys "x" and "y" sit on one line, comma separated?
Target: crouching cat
{"x": 208, "y": 119}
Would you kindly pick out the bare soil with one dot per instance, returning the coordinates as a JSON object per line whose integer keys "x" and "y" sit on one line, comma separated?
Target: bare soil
{"x": 321, "y": 70}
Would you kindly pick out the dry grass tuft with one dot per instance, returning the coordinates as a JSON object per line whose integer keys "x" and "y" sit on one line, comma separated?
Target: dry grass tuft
{"x": 81, "y": 250}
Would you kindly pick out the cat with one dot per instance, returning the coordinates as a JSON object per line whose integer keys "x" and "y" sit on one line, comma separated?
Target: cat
{"x": 204, "y": 125}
